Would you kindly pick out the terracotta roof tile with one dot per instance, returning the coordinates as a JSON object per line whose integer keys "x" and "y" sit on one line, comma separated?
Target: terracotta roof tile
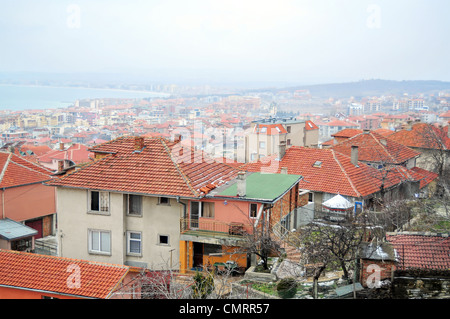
{"x": 16, "y": 171}
{"x": 373, "y": 147}
{"x": 423, "y": 135}
{"x": 421, "y": 251}
{"x": 51, "y": 273}
{"x": 335, "y": 173}
{"x": 161, "y": 167}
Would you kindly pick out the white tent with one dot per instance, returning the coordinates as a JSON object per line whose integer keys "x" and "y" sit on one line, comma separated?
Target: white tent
{"x": 338, "y": 202}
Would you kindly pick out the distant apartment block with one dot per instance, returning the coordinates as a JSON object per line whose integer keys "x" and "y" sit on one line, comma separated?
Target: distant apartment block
{"x": 273, "y": 136}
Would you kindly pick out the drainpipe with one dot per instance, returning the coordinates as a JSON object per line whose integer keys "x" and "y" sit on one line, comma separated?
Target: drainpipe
{"x": 184, "y": 207}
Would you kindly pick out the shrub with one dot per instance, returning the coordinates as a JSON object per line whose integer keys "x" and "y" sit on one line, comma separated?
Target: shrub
{"x": 203, "y": 286}
{"x": 287, "y": 288}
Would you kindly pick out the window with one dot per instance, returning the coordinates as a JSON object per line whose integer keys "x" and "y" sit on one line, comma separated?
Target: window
{"x": 288, "y": 141}
{"x": 163, "y": 240}
{"x": 164, "y": 201}
{"x": 262, "y": 144}
{"x": 207, "y": 210}
{"x": 99, "y": 201}
{"x": 99, "y": 241}
{"x": 263, "y": 130}
{"x": 134, "y": 204}
{"x": 310, "y": 197}
{"x": 253, "y": 210}
{"x": 288, "y": 129}
{"x": 134, "y": 242}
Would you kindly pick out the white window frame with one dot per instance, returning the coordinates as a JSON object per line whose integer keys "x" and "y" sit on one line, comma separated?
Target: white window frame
{"x": 129, "y": 240}
{"x": 102, "y": 209}
{"x": 93, "y": 250}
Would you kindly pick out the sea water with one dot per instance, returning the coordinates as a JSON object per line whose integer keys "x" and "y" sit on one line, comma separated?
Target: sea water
{"x": 25, "y": 97}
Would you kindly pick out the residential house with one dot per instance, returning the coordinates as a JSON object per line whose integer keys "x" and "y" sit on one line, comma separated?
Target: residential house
{"x": 231, "y": 211}
{"x": 377, "y": 150}
{"x": 24, "y": 198}
{"x": 65, "y": 156}
{"x": 128, "y": 203}
{"x": 432, "y": 142}
{"x": 34, "y": 276}
{"x": 327, "y": 173}
{"x": 135, "y": 202}
{"x": 329, "y": 128}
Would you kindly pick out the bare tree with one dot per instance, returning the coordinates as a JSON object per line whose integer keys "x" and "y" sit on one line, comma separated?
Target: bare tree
{"x": 332, "y": 245}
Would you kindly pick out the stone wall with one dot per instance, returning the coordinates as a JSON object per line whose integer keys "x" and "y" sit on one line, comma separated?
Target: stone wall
{"x": 421, "y": 288}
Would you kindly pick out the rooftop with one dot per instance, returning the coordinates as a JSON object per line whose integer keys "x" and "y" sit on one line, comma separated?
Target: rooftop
{"x": 50, "y": 274}
{"x": 17, "y": 171}
{"x": 11, "y": 230}
{"x": 421, "y": 250}
{"x": 159, "y": 167}
{"x": 260, "y": 186}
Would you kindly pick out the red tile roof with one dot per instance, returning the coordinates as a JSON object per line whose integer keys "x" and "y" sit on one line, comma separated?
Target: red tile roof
{"x": 77, "y": 153}
{"x": 53, "y": 274}
{"x": 16, "y": 171}
{"x": 423, "y": 135}
{"x": 348, "y": 132}
{"x": 309, "y": 126}
{"x": 425, "y": 177}
{"x": 373, "y": 147}
{"x": 271, "y": 129}
{"x": 335, "y": 173}
{"x": 161, "y": 168}
{"x": 421, "y": 250}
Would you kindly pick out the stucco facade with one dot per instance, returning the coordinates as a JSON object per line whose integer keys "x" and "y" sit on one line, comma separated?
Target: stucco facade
{"x": 77, "y": 222}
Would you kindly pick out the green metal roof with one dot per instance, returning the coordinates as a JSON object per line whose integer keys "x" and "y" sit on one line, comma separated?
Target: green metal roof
{"x": 260, "y": 186}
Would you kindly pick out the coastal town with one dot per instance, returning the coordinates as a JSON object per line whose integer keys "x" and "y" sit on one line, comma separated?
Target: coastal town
{"x": 145, "y": 198}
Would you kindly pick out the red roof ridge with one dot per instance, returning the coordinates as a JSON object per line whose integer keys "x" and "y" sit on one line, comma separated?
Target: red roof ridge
{"x": 179, "y": 170}
{"x": 345, "y": 173}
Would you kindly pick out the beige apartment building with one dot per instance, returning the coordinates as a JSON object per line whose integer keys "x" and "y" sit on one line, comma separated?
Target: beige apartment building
{"x": 273, "y": 136}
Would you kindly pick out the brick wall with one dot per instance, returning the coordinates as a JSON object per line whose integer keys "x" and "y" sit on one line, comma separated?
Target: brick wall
{"x": 386, "y": 270}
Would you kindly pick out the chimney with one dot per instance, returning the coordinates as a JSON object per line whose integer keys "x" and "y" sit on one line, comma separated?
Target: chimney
{"x": 60, "y": 166}
{"x": 282, "y": 149}
{"x": 354, "y": 155}
{"x": 61, "y": 146}
{"x": 241, "y": 184}
{"x": 177, "y": 138}
{"x": 284, "y": 170}
{"x": 138, "y": 143}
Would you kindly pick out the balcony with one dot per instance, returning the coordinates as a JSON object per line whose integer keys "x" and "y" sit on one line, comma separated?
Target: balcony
{"x": 210, "y": 230}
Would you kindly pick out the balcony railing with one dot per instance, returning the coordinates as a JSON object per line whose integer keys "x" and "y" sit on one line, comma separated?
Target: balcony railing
{"x": 233, "y": 229}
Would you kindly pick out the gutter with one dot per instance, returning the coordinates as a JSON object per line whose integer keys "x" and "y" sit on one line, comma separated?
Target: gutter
{"x": 47, "y": 292}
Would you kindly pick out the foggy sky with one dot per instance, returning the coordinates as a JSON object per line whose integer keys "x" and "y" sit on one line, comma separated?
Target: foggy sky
{"x": 243, "y": 40}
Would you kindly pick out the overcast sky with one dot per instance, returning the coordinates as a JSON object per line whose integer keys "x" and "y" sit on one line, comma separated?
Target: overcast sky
{"x": 292, "y": 41}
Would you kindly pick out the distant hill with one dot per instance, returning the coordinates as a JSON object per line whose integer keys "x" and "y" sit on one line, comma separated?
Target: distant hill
{"x": 371, "y": 88}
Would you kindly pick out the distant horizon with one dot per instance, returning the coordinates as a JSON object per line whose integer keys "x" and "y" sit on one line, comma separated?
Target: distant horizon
{"x": 245, "y": 43}
{"x": 104, "y": 78}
